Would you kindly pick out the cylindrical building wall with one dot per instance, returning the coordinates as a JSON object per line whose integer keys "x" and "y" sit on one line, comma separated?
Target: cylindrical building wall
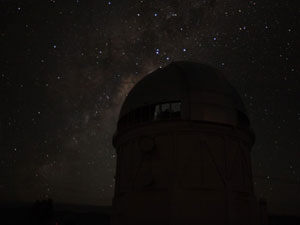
{"x": 184, "y": 173}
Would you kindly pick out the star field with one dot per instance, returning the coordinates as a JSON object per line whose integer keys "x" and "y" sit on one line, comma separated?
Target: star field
{"x": 66, "y": 68}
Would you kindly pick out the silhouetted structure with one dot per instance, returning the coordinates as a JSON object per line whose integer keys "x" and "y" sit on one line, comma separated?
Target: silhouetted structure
{"x": 43, "y": 213}
{"x": 183, "y": 151}
{"x": 46, "y": 213}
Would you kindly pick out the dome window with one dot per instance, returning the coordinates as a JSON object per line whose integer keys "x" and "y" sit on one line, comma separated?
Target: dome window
{"x": 162, "y": 111}
{"x": 167, "y": 110}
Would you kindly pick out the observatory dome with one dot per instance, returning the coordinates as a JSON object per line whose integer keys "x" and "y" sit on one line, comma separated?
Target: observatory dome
{"x": 183, "y": 146}
{"x": 186, "y": 91}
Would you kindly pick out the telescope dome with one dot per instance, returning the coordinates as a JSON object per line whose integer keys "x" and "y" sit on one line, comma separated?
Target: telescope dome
{"x": 184, "y": 91}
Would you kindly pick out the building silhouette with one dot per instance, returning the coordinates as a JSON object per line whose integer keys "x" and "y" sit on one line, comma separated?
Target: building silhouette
{"x": 183, "y": 146}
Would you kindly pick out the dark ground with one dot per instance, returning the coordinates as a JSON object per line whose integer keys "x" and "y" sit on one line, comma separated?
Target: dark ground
{"x": 45, "y": 213}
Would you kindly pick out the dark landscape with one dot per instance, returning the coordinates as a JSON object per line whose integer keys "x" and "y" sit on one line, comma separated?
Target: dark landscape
{"x": 68, "y": 214}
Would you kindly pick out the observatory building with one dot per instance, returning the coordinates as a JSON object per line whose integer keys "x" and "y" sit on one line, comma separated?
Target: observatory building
{"x": 183, "y": 146}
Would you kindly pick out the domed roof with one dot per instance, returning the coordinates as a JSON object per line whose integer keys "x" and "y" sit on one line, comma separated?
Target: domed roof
{"x": 196, "y": 86}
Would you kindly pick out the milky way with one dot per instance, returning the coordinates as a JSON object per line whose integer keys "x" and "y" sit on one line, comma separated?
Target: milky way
{"x": 67, "y": 67}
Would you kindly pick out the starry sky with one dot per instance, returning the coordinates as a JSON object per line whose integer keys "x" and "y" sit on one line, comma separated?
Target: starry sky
{"x": 66, "y": 67}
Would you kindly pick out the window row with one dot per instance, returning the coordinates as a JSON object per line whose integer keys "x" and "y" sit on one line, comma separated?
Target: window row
{"x": 147, "y": 113}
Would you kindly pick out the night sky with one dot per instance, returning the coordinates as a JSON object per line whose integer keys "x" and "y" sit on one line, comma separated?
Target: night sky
{"x": 66, "y": 67}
